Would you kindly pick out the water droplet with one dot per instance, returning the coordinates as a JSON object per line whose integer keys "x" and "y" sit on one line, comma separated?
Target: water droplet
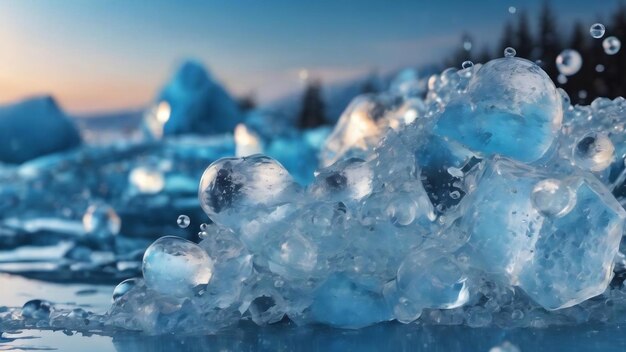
{"x": 594, "y": 152}
{"x": 512, "y": 9}
{"x": 552, "y": 198}
{"x": 611, "y": 45}
{"x": 183, "y": 221}
{"x": 509, "y": 52}
{"x": 467, "y": 64}
{"x": 599, "y": 68}
{"x": 101, "y": 220}
{"x": 569, "y": 62}
{"x": 597, "y": 30}
{"x": 123, "y": 287}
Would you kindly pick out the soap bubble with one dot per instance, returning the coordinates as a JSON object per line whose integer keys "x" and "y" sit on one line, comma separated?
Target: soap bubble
{"x": 569, "y": 62}
{"x": 174, "y": 266}
{"x": 183, "y": 221}
{"x": 509, "y": 52}
{"x": 597, "y": 30}
{"x": 553, "y": 198}
{"x": 147, "y": 179}
{"x": 36, "y": 309}
{"x": 123, "y": 287}
{"x": 594, "y": 152}
{"x": 611, "y": 45}
{"x": 101, "y": 220}
{"x": 467, "y": 64}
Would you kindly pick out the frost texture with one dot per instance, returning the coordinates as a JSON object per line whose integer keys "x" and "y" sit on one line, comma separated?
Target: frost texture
{"x": 490, "y": 201}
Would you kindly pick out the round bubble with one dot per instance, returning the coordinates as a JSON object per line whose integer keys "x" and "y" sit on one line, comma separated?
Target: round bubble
{"x": 36, "y": 309}
{"x": 175, "y": 267}
{"x": 402, "y": 210}
{"x": 101, "y": 220}
{"x": 594, "y": 152}
{"x": 183, "y": 221}
{"x": 611, "y": 45}
{"x": 509, "y": 52}
{"x": 123, "y": 287}
{"x": 553, "y": 198}
{"x": 233, "y": 188}
{"x": 569, "y": 62}
{"x": 597, "y": 30}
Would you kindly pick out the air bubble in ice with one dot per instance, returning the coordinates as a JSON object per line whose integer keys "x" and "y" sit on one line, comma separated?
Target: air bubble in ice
{"x": 594, "y": 152}
{"x": 553, "y": 198}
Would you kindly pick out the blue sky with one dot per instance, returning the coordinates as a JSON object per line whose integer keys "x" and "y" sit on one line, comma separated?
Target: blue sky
{"x": 114, "y": 54}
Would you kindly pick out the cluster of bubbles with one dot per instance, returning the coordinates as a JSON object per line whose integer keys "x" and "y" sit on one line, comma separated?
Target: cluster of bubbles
{"x": 404, "y": 220}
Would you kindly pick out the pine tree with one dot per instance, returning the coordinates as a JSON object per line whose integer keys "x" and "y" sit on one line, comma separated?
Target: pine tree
{"x": 524, "y": 41}
{"x": 312, "y": 113}
{"x": 548, "y": 40}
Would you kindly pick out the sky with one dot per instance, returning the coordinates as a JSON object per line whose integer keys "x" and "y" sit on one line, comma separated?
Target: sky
{"x": 105, "y": 55}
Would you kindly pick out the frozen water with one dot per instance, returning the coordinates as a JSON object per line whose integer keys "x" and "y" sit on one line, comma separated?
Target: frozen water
{"x": 569, "y": 62}
{"x": 597, "y": 30}
{"x": 611, "y": 45}
{"x": 20, "y": 142}
{"x": 175, "y": 267}
{"x": 123, "y": 287}
{"x": 36, "y": 309}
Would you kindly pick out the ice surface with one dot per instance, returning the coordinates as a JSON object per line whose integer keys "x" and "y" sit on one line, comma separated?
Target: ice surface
{"x": 33, "y": 128}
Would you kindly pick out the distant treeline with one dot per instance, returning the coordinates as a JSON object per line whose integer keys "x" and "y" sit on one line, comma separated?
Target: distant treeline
{"x": 601, "y": 75}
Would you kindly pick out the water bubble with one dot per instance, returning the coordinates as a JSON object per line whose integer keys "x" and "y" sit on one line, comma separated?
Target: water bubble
{"x": 553, "y": 198}
{"x": 147, "y": 180}
{"x": 183, "y": 221}
{"x": 467, "y": 64}
{"x": 561, "y": 78}
{"x": 569, "y": 62}
{"x": 599, "y": 68}
{"x": 509, "y": 52}
{"x": 174, "y": 266}
{"x": 512, "y": 9}
{"x": 597, "y": 30}
{"x": 594, "y": 152}
{"x": 101, "y": 220}
{"x": 611, "y": 45}
{"x": 36, "y": 309}
{"x": 123, "y": 287}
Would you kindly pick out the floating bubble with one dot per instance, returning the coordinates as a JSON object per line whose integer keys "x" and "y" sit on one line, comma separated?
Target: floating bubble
{"x": 101, "y": 220}
{"x": 553, "y": 198}
{"x": 36, "y": 309}
{"x": 594, "y": 152}
{"x": 611, "y": 45}
{"x": 402, "y": 210}
{"x": 561, "y": 78}
{"x": 597, "y": 30}
{"x": 569, "y": 62}
{"x": 512, "y": 9}
{"x": 467, "y": 64}
{"x": 147, "y": 180}
{"x": 203, "y": 227}
{"x": 509, "y": 52}
{"x": 123, "y": 287}
{"x": 174, "y": 266}
{"x": 599, "y": 68}
{"x": 467, "y": 45}
{"x": 183, "y": 221}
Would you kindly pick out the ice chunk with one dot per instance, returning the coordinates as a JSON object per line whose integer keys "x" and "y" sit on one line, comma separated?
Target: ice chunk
{"x": 347, "y": 180}
{"x": 192, "y": 103}
{"x": 176, "y": 267}
{"x": 235, "y": 190}
{"x": 511, "y": 108}
{"x": 35, "y": 127}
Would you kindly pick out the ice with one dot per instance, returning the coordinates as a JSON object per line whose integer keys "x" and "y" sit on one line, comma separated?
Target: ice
{"x": 123, "y": 287}
{"x": 20, "y": 141}
{"x": 175, "y": 267}
{"x": 192, "y": 103}
{"x": 36, "y": 309}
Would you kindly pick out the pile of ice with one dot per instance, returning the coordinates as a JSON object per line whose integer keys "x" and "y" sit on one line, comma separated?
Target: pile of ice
{"x": 490, "y": 201}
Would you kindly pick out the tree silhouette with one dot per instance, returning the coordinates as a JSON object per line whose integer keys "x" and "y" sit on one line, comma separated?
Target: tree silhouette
{"x": 312, "y": 112}
{"x": 523, "y": 39}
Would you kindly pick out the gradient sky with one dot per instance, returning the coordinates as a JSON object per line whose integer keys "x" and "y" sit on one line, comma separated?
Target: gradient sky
{"x": 115, "y": 54}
